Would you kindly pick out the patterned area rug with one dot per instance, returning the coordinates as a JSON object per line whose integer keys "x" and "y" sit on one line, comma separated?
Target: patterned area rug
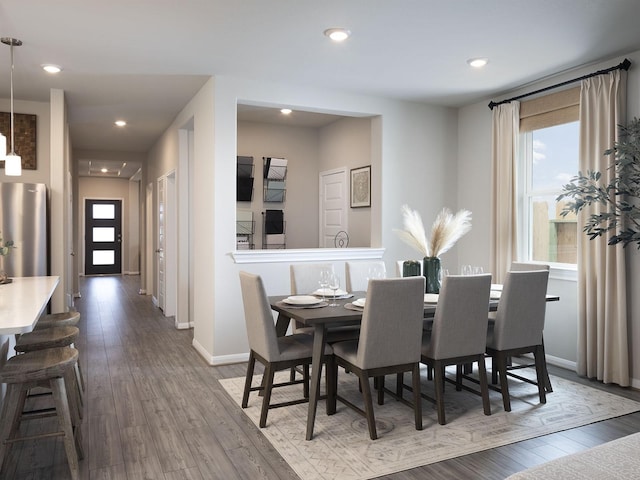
{"x": 341, "y": 448}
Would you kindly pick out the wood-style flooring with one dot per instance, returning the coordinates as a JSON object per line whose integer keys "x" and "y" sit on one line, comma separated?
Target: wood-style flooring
{"x": 155, "y": 410}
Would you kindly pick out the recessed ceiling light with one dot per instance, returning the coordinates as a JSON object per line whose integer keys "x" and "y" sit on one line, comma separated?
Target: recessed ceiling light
{"x": 337, "y": 34}
{"x": 285, "y": 111}
{"x": 49, "y": 68}
{"x": 104, "y": 170}
{"x": 120, "y": 123}
{"x": 478, "y": 62}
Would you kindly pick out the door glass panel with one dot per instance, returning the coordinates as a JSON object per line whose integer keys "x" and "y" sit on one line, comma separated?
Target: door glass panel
{"x": 104, "y": 234}
{"x": 104, "y": 211}
{"x": 103, "y": 257}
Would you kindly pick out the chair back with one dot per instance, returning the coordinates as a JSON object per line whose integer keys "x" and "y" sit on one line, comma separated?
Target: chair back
{"x": 461, "y": 318}
{"x": 526, "y": 267}
{"x": 521, "y": 311}
{"x": 358, "y": 274}
{"x": 305, "y": 277}
{"x": 391, "y": 329}
{"x": 257, "y": 314}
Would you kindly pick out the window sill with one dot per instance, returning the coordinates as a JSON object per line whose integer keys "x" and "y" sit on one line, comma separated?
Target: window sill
{"x": 563, "y": 271}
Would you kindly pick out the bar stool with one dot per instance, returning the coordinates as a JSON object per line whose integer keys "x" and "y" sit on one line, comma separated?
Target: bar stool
{"x": 53, "y": 368}
{"x": 52, "y": 338}
{"x": 65, "y": 319}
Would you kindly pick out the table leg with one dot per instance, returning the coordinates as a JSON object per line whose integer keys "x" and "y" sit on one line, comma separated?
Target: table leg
{"x": 316, "y": 371}
{"x": 282, "y": 325}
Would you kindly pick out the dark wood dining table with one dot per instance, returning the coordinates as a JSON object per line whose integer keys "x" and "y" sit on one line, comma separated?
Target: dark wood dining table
{"x": 321, "y": 319}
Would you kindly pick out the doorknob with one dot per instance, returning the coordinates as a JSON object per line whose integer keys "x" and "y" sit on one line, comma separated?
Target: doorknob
{"x": 158, "y": 250}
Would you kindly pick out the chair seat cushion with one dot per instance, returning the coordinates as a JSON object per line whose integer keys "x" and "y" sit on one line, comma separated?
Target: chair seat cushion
{"x": 347, "y": 350}
{"x": 297, "y": 346}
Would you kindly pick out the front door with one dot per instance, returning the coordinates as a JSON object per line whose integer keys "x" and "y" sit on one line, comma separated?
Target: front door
{"x": 103, "y": 237}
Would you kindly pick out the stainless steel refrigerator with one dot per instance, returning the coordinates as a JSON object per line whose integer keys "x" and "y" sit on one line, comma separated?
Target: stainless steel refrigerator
{"x": 24, "y": 219}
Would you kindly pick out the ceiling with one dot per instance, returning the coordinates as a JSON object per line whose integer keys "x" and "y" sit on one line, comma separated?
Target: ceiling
{"x": 142, "y": 61}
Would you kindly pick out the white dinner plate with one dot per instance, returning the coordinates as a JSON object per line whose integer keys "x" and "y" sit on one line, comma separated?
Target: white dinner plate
{"x": 302, "y": 300}
{"x": 359, "y": 302}
{"x": 496, "y": 287}
{"x": 430, "y": 298}
{"x": 495, "y": 295}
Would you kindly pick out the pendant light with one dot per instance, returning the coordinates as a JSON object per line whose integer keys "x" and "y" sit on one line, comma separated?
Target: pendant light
{"x": 12, "y": 162}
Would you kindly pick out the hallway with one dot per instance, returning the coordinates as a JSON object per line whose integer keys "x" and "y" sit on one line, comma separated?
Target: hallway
{"x": 155, "y": 410}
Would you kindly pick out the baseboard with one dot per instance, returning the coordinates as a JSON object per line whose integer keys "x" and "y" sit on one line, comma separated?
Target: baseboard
{"x": 131, "y": 273}
{"x": 215, "y": 361}
{"x": 230, "y": 359}
{"x": 142, "y": 291}
{"x": 154, "y": 300}
{"x": 182, "y": 325}
{"x": 561, "y": 362}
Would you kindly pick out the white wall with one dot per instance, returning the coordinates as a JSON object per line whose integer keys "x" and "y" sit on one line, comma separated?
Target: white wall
{"x": 347, "y": 143}
{"x": 474, "y": 153}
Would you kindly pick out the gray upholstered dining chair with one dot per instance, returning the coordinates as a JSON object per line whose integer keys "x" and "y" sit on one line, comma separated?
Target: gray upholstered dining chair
{"x": 275, "y": 353}
{"x": 511, "y": 367}
{"x": 458, "y": 334}
{"x": 357, "y": 274}
{"x": 518, "y": 326}
{"x": 389, "y": 342}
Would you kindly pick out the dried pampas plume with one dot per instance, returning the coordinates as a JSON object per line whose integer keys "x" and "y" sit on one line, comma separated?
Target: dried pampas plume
{"x": 446, "y": 230}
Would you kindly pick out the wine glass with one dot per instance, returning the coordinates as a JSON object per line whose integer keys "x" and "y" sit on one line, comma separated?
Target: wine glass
{"x": 467, "y": 270}
{"x": 325, "y": 273}
{"x": 478, "y": 270}
{"x": 441, "y": 274}
{"x": 334, "y": 284}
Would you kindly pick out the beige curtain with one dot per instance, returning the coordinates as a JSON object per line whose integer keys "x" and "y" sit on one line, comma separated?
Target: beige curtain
{"x": 504, "y": 151}
{"x": 602, "y": 304}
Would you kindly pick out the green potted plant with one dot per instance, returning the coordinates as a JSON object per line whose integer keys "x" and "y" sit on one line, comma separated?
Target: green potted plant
{"x": 5, "y": 249}
{"x": 619, "y": 199}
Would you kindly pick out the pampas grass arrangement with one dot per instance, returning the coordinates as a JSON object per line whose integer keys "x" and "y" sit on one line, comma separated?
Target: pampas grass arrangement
{"x": 446, "y": 230}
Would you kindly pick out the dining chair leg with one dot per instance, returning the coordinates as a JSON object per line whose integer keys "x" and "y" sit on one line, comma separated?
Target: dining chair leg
{"x": 380, "y": 390}
{"x": 400, "y": 384}
{"x": 417, "y": 398}
{"x": 547, "y": 380}
{"x": 438, "y": 378}
{"x": 331, "y": 384}
{"x": 247, "y": 382}
{"x": 538, "y": 355}
{"x": 368, "y": 405}
{"x": 501, "y": 360}
{"x": 305, "y": 380}
{"x": 268, "y": 386}
{"x": 458, "y": 378}
{"x": 484, "y": 385}
{"x": 494, "y": 371}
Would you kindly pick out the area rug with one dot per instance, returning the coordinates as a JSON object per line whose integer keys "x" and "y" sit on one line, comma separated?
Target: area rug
{"x": 341, "y": 447}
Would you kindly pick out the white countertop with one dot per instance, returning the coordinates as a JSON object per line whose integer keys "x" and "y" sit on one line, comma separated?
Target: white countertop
{"x": 22, "y": 302}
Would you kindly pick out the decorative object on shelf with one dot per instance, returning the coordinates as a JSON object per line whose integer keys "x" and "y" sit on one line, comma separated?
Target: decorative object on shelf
{"x": 446, "y": 230}
{"x": 244, "y": 179}
{"x": 361, "y": 187}
{"x": 341, "y": 240}
{"x": 620, "y": 210}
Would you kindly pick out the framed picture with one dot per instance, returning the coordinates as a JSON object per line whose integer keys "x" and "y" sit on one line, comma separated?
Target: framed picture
{"x": 25, "y": 137}
{"x": 361, "y": 187}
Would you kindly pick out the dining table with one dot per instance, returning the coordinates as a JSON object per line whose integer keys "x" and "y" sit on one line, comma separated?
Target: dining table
{"x": 321, "y": 319}
{"x": 23, "y": 301}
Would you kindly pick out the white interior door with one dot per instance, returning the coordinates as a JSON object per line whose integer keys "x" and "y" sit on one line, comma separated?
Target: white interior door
{"x": 161, "y": 243}
{"x": 170, "y": 246}
{"x": 334, "y": 198}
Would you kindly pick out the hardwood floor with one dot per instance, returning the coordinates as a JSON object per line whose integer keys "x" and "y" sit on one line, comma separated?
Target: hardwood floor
{"x": 155, "y": 410}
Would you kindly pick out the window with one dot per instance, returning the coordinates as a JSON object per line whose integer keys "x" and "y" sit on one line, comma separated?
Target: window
{"x": 548, "y": 160}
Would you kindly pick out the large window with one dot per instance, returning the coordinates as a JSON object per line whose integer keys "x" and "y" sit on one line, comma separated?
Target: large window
{"x": 548, "y": 160}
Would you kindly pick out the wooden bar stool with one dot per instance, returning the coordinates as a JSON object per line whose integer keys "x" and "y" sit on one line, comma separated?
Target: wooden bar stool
{"x": 53, "y": 368}
{"x": 66, "y": 319}
{"x": 52, "y": 338}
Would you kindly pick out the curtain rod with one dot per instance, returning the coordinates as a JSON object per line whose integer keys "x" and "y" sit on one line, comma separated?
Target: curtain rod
{"x": 624, "y": 65}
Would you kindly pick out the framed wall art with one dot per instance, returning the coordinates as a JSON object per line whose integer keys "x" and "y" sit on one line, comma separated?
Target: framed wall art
{"x": 25, "y": 137}
{"x": 361, "y": 187}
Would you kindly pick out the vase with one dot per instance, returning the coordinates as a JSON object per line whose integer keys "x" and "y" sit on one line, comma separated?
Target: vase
{"x": 431, "y": 272}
